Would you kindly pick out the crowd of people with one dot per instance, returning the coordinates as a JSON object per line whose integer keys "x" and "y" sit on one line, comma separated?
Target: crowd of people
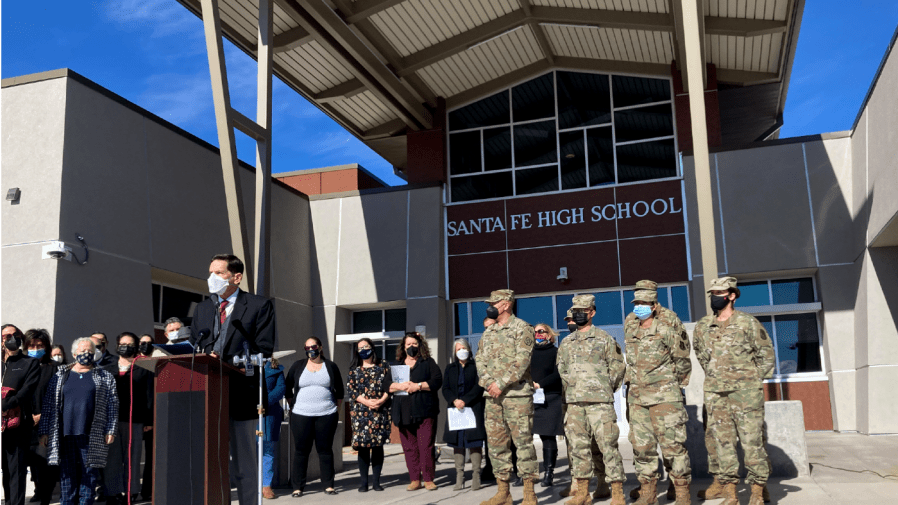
{"x": 84, "y": 424}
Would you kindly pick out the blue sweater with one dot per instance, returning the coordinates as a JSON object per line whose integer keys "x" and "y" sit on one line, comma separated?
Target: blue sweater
{"x": 274, "y": 413}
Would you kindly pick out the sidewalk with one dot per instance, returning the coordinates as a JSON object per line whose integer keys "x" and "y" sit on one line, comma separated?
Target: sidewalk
{"x": 845, "y": 469}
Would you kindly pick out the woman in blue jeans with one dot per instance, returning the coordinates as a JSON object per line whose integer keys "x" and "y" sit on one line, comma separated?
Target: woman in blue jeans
{"x": 274, "y": 415}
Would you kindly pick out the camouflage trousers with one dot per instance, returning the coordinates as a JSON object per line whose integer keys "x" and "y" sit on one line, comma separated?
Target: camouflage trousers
{"x": 732, "y": 416}
{"x": 663, "y": 424}
{"x": 508, "y": 419}
{"x": 597, "y": 462}
{"x": 593, "y": 421}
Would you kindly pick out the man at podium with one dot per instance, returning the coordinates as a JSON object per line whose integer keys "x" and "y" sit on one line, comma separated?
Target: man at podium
{"x": 222, "y": 325}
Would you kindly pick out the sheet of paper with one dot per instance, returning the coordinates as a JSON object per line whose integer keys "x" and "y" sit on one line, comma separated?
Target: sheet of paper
{"x": 461, "y": 419}
{"x": 400, "y": 375}
{"x": 539, "y": 396}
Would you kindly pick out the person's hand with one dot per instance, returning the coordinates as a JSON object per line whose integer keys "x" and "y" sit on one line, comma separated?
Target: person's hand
{"x": 43, "y": 440}
{"x": 494, "y": 390}
{"x": 213, "y": 354}
{"x": 536, "y": 385}
{"x": 413, "y": 387}
{"x": 459, "y": 404}
{"x": 36, "y": 418}
{"x": 109, "y": 439}
{"x": 147, "y": 428}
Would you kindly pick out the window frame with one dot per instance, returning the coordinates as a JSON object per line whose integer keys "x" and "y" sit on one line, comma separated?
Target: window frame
{"x": 511, "y": 125}
{"x": 160, "y": 324}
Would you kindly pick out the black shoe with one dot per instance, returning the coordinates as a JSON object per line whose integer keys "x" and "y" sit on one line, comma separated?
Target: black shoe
{"x": 377, "y": 487}
{"x": 487, "y": 477}
{"x": 548, "y": 479}
{"x": 34, "y": 499}
{"x": 518, "y": 482}
{"x": 363, "y": 488}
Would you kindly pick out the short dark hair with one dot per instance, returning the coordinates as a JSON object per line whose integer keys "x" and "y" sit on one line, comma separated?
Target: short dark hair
{"x": 99, "y": 333}
{"x": 735, "y": 290}
{"x": 18, "y": 332}
{"x": 127, "y": 334}
{"x": 235, "y": 265}
{"x": 317, "y": 341}
{"x": 65, "y": 357}
{"x": 172, "y": 320}
{"x": 43, "y": 336}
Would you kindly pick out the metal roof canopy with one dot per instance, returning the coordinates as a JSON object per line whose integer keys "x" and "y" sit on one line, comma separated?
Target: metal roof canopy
{"x": 377, "y": 66}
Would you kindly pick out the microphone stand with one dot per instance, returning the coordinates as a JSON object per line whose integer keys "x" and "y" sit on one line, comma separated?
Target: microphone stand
{"x": 249, "y": 361}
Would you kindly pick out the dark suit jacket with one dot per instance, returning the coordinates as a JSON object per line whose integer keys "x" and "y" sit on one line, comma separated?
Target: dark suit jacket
{"x": 472, "y": 396}
{"x": 252, "y": 321}
{"x": 21, "y": 373}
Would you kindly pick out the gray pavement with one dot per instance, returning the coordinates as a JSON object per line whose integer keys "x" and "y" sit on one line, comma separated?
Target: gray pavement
{"x": 845, "y": 469}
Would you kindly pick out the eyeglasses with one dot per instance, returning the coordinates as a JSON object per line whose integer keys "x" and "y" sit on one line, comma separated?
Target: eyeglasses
{"x": 311, "y": 347}
{"x": 542, "y": 332}
{"x": 366, "y": 348}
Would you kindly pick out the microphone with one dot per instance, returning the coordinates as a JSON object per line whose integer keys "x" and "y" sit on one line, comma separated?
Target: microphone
{"x": 200, "y": 339}
{"x": 246, "y": 360}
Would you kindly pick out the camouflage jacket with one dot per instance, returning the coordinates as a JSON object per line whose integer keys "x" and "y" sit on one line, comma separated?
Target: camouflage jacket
{"x": 664, "y": 315}
{"x": 735, "y": 354}
{"x": 658, "y": 362}
{"x": 591, "y": 366}
{"x": 503, "y": 357}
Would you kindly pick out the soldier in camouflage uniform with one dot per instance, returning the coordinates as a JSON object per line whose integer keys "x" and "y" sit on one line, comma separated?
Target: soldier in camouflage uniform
{"x": 658, "y": 367}
{"x": 670, "y": 318}
{"x": 591, "y": 366}
{"x": 737, "y": 355}
{"x": 503, "y": 367}
{"x": 602, "y": 490}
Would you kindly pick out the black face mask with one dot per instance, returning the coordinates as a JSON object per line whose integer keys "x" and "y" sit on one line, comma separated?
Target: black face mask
{"x": 366, "y": 353}
{"x": 492, "y": 312}
{"x": 412, "y": 351}
{"x": 145, "y": 348}
{"x": 313, "y": 353}
{"x": 581, "y": 318}
{"x": 719, "y": 303}
{"x": 13, "y": 343}
{"x": 572, "y": 327}
{"x": 127, "y": 351}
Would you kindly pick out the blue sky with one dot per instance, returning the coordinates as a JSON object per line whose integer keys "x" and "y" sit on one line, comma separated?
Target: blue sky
{"x": 152, "y": 53}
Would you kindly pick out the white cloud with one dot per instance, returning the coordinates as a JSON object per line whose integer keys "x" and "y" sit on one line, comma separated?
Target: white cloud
{"x": 185, "y": 100}
{"x": 163, "y": 17}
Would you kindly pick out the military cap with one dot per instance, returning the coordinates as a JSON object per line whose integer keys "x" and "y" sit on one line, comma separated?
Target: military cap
{"x": 501, "y": 295}
{"x": 584, "y": 302}
{"x": 722, "y": 284}
{"x": 647, "y": 284}
{"x": 645, "y": 295}
{"x": 569, "y": 316}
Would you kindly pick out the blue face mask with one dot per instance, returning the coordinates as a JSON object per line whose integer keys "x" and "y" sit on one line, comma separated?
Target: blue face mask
{"x": 37, "y": 353}
{"x": 642, "y": 311}
{"x": 365, "y": 353}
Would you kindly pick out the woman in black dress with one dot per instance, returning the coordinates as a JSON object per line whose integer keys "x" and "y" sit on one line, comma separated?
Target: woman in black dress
{"x": 547, "y": 416}
{"x": 369, "y": 399}
{"x": 461, "y": 390}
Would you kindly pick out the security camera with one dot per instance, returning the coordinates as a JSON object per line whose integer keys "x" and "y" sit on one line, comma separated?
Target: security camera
{"x": 562, "y": 274}
{"x": 56, "y": 250}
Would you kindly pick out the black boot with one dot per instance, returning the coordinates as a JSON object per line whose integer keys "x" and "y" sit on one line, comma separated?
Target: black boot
{"x": 549, "y": 458}
{"x": 518, "y": 481}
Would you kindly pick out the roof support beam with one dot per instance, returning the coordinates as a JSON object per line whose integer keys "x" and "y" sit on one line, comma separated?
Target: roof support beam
{"x": 745, "y": 77}
{"x": 342, "y": 43}
{"x": 387, "y": 129}
{"x": 677, "y": 9}
{"x": 538, "y": 32}
{"x": 362, "y": 9}
{"x": 291, "y": 39}
{"x": 742, "y": 27}
{"x": 347, "y": 89}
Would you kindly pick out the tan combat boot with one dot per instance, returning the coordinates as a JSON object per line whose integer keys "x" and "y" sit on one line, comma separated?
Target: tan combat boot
{"x": 602, "y": 489}
{"x": 502, "y": 496}
{"x": 529, "y": 493}
{"x": 757, "y": 495}
{"x": 648, "y": 493}
{"x": 681, "y": 491}
{"x": 729, "y": 494}
{"x": 715, "y": 490}
{"x": 580, "y": 494}
{"x": 617, "y": 494}
{"x": 569, "y": 490}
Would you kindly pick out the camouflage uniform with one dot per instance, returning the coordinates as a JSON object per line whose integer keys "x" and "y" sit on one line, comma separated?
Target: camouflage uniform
{"x": 591, "y": 366}
{"x": 503, "y": 358}
{"x": 737, "y": 355}
{"x": 658, "y": 366}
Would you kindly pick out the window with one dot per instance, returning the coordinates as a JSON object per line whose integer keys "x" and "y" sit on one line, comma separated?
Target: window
{"x": 562, "y": 131}
{"x": 376, "y": 321}
{"x": 169, "y": 302}
{"x": 612, "y": 307}
{"x": 787, "y": 308}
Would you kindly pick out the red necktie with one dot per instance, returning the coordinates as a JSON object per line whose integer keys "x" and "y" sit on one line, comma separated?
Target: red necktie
{"x": 224, "y": 315}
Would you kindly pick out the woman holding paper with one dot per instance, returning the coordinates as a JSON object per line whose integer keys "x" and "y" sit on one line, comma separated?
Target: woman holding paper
{"x": 547, "y": 416}
{"x": 369, "y": 381}
{"x": 416, "y": 411}
{"x": 461, "y": 392}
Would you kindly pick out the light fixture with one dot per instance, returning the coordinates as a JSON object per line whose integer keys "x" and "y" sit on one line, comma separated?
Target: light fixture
{"x": 506, "y": 32}
{"x": 570, "y": 25}
{"x": 13, "y": 195}
{"x": 570, "y": 156}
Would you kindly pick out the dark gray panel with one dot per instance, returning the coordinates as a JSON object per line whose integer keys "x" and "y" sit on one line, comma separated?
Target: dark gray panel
{"x": 829, "y": 174}
{"x": 766, "y": 214}
{"x": 747, "y": 112}
{"x": 425, "y": 249}
{"x": 179, "y": 458}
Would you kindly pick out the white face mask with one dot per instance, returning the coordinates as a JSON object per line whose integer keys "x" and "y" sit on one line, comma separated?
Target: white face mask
{"x": 172, "y": 335}
{"x": 57, "y": 358}
{"x": 463, "y": 354}
{"x": 217, "y": 285}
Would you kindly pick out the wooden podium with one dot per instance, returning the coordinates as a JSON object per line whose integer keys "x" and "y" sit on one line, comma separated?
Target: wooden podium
{"x": 190, "y": 456}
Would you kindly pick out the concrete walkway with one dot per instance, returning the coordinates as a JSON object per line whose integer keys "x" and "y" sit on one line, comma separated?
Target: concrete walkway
{"x": 846, "y": 469}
